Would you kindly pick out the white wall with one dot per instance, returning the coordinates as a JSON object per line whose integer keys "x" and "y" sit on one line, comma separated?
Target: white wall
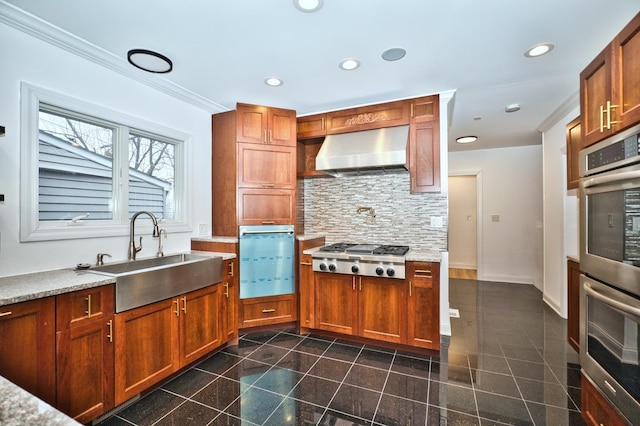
{"x": 25, "y": 58}
{"x": 510, "y": 249}
{"x": 560, "y": 215}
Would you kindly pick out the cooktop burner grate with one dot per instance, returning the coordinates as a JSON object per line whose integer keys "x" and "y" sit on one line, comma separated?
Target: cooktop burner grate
{"x": 393, "y": 250}
{"x": 366, "y": 249}
{"x": 337, "y": 247}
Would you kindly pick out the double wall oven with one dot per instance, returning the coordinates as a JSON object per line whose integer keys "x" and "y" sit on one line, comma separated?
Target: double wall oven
{"x": 610, "y": 261}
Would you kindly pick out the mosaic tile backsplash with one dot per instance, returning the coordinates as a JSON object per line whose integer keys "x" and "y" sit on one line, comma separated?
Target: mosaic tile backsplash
{"x": 329, "y": 206}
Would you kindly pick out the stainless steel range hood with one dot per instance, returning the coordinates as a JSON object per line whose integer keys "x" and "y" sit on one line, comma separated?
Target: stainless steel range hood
{"x": 365, "y": 152}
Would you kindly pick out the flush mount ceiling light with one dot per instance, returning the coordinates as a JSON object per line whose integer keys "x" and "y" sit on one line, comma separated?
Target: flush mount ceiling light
{"x": 538, "y": 50}
{"x": 394, "y": 54}
{"x": 467, "y": 139}
{"x": 349, "y": 64}
{"x": 149, "y": 61}
{"x": 273, "y": 81}
{"x": 308, "y": 6}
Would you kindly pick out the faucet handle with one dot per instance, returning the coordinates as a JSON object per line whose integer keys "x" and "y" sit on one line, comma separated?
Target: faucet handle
{"x": 100, "y": 258}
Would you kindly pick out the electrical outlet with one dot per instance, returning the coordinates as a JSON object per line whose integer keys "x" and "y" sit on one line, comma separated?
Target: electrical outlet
{"x": 202, "y": 229}
{"x": 495, "y": 218}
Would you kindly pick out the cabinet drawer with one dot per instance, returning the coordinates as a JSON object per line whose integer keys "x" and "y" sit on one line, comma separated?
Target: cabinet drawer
{"x": 595, "y": 409}
{"x": 75, "y": 308}
{"x": 267, "y": 310}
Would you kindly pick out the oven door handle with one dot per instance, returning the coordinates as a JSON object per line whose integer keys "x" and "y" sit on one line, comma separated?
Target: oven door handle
{"x": 610, "y": 178}
{"x": 620, "y": 306}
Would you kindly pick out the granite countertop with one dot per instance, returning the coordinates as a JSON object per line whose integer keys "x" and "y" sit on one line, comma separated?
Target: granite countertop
{"x": 18, "y": 408}
{"x": 20, "y": 288}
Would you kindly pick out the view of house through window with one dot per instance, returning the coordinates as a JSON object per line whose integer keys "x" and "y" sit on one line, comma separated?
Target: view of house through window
{"x": 78, "y": 162}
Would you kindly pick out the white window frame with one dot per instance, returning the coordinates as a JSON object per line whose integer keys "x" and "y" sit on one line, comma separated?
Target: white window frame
{"x": 31, "y": 229}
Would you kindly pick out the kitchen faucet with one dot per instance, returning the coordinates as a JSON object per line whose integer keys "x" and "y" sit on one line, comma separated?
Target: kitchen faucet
{"x": 133, "y": 250}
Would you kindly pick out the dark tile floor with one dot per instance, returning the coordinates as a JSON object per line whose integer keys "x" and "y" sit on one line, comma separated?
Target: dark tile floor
{"x": 507, "y": 363}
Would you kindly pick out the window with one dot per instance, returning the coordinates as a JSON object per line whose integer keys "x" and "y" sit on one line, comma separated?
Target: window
{"x": 87, "y": 170}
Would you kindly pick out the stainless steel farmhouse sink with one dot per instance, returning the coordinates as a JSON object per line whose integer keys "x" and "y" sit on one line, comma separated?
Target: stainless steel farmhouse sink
{"x": 145, "y": 281}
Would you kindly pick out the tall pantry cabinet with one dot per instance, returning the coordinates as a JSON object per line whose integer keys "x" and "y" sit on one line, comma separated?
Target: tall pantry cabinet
{"x": 254, "y": 183}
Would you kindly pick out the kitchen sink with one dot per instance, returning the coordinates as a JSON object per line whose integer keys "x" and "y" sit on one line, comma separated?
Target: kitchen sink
{"x": 145, "y": 281}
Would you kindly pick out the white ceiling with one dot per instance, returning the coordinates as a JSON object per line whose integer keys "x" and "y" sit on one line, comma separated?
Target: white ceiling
{"x": 223, "y": 51}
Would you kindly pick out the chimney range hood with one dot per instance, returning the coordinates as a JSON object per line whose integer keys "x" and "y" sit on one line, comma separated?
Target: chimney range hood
{"x": 364, "y": 152}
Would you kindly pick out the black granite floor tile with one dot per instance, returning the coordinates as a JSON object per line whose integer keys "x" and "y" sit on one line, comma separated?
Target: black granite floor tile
{"x": 219, "y": 363}
{"x": 295, "y": 412}
{"x": 366, "y": 377}
{"x": 394, "y": 410}
{"x": 298, "y": 361}
{"x": 410, "y": 387}
{"x": 331, "y": 418}
{"x": 543, "y": 415}
{"x": 451, "y": 397}
{"x": 313, "y": 345}
{"x": 286, "y": 340}
{"x": 377, "y": 359}
{"x": 331, "y": 369}
{"x": 532, "y": 370}
{"x": 492, "y": 363}
{"x": 354, "y": 401}
{"x": 190, "y": 382}
{"x": 188, "y": 414}
{"x": 315, "y": 390}
{"x": 225, "y": 419}
{"x": 247, "y": 371}
{"x": 260, "y": 337}
{"x": 501, "y": 384}
{"x": 412, "y": 366}
{"x": 545, "y": 393}
{"x": 151, "y": 408}
{"x": 255, "y": 405}
{"x": 221, "y": 393}
{"x": 502, "y": 409}
{"x": 279, "y": 380}
{"x": 268, "y": 354}
{"x": 438, "y": 416}
{"x": 343, "y": 352}
{"x": 453, "y": 374}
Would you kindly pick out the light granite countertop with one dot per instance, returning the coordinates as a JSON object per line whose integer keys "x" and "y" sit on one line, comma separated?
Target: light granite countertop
{"x": 18, "y": 408}
{"x": 20, "y": 288}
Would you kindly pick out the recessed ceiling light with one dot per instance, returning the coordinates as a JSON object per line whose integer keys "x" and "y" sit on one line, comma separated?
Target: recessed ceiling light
{"x": 393, "y": 54}
{"x": 308, "y": 6}
{"x": 538, "y": 50}
{"x": 512, "y": 108}
{"x": 149, "y": 61}
{"x": 349, "y": 64}
{"x": 273, "y": 81}
{"x": 467, "y": 139}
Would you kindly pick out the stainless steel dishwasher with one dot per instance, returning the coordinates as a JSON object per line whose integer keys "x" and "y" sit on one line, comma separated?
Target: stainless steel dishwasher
{"x": 266, "y": 260}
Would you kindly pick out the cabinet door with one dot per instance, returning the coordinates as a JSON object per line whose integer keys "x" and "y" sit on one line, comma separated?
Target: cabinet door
{"x": 85, "y": 369}
{"x": 424, "y": 304}
{"x": 312, "y": 126}
{"x": 200, "y": 323}
{"x": 573, "y": 304}
{"x": 626, "y": 72}
{"x": 595, "y": 91}
{"x": 574, "y": 145}
{"x": 27, "y": 346}
{"x": 281, "y": 127}
{"x": 306, "y": 291}
{"x": 426, "y": 108}
{"x": 230, "y": 300}
{"x": 251, "y": 123}
{"x": 266, "y": 166}
{"x": 336, "y": 308}
{"x": 266, "y": 206}
{"x": 382, "y": 309}
{"x": 146, "y": 345}
{"x": 424, "y": 157}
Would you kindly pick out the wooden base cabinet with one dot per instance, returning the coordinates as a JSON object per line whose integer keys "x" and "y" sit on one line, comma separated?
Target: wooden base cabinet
{"x": 424, "y": 304}
{"x": 156, "y": 340}
{"x": 573, "y": 304}
{"x": 27, "y": 346}
{"x": 85, "y": 352}
{"x": 336, "y": 303}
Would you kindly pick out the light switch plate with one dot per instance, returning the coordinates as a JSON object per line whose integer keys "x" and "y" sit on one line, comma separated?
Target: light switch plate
{"x": 436, "y": 222}
{"x": 495, "y": 218}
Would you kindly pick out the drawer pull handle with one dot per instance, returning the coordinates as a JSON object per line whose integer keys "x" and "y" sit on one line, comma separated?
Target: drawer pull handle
{"x": 268, "y": 222}
{"x": 268, "y": 311}
{"x": 306, "y": 263}
{"x": 226, "y": 289}
{"x": 268, "y": 185}
{"x": 110, "y": 335}
{"x": 88, "y": 311}
{"x": 184, "y": 301}
{"x": 410, "y": 288}
{"x": 4, "y": 314}
{"x": 177, "y": 311}
{"x": 230, "y": 269}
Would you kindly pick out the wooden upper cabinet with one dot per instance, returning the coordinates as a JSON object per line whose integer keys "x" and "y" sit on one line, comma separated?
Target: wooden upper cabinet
{"x": 266, "y": 125}
{"x": 574, "y": 144}
{"x": 266, "y": 166}
{"x": 424, "y": 157}
{"x": 626, "y": 72}
{"x": 426, "y": 108}
{"x": 389, "y": 114}
{"x": 610, "y": 87}
{"x": 312, "y": 126}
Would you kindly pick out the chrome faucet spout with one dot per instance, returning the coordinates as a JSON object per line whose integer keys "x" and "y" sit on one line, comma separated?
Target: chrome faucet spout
{"x": 133, "y": 249}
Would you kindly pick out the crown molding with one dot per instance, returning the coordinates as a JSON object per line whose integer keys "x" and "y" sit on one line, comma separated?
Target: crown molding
{"x": 569, "y": 104}
{"x": 45, "y": 31}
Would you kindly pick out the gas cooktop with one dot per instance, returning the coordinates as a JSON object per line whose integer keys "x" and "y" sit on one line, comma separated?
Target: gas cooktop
{"x": 366, "y": 249}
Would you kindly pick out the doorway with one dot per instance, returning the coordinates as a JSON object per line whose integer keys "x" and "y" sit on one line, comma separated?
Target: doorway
{"x": 463, "y": 226}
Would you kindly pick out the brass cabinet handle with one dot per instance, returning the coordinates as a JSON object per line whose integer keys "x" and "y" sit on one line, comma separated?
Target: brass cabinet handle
{"x": 177, "y": 311}
{"x": 411, "y": 111}
{"x": 270, "y": 136}
{"x": 88, "y": 311}
{"x": 226, "y": 289}
{"x": 425, "y": 272}
{"x": 409, "y": 288}
{"x": 184, "y": 301}
{"x": 4, "y": 314}
{"x": 265, "y": 136}
{"x": 601, "y": 118}
{"x": 360, "y": 283}
{"x": 268, "y": 311}
{"x": 230, "y": 272}
{"x": 268, "y": 185}
{"x": 322, "y": 123}
{"x": 306, "y": 264}
{"x": 268, "y": 222}
{"x": 110, "y": 335}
